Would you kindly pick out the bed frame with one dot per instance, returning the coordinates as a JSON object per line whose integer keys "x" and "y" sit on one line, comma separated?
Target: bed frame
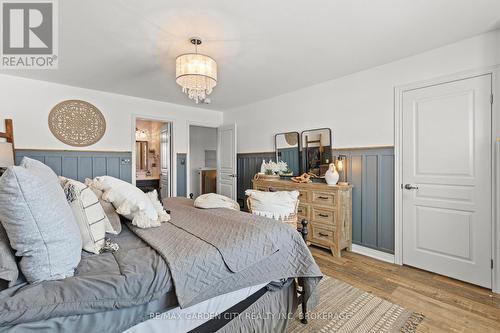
{"x": 9, "y": 132}
{"x": 304, "y": 232}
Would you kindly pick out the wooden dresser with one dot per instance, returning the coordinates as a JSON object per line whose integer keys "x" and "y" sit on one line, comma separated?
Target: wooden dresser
{"x": 327, "y": 208}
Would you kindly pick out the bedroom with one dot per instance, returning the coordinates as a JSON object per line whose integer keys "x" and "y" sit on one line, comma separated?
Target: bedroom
{"x": 327, "y": 87}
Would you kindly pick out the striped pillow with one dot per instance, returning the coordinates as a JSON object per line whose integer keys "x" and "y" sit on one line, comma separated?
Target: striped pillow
{"x": 88, "y": 213}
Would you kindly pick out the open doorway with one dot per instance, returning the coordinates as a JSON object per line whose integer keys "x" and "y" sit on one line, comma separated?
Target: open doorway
{"x": 202, "y": 160}
{"x": 153, "y": 156}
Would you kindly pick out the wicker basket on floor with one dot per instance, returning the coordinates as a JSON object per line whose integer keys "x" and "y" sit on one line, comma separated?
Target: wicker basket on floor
{"x": 291, "y": 220}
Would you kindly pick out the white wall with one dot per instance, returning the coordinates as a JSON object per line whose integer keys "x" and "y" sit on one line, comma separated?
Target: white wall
{"x": 28, "y": 102}
{"x": 201, "y": 139}
{"x": 359, "y": 108}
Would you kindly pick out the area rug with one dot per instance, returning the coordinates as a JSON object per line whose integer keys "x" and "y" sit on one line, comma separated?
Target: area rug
{"x": 346, "y": 309}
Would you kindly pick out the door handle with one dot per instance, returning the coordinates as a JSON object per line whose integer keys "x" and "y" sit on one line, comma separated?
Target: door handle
{"x": 411, "y": 187}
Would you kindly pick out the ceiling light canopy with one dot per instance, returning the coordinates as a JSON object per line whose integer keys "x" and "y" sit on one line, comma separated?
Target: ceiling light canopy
{"x": 196, "y": 73}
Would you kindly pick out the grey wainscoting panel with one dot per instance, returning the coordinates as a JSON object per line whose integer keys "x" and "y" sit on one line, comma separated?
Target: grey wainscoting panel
{"x": 83, "y": 164}
{"x": 248, "y": 165}
{"x": 181, "y": 175}
{"x": 371, "y": 172}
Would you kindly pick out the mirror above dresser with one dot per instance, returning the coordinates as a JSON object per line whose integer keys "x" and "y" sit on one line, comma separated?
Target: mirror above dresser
{"x": 287, "y": 148}
{"x": 316, "y": 150}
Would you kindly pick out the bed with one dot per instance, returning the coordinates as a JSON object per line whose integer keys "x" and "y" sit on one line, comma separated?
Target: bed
{"x": 177, "y": 278}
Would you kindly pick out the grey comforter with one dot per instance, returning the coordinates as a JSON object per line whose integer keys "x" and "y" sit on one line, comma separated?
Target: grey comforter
{"x": 203, "y": 253}
{"x": 215, "y": 251}
{"x": 132, "y": 276}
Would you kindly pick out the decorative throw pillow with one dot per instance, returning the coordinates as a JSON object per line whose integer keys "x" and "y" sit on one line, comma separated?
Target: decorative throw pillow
{"x": 8, "y": 266}
{"x": 115, "y": 225}
{"x": 162, "y": 214}
{"x": 89, "y": 215}
{"x": 275, "y": 205}
{"x": 131, "y": 202}
{"x": 39, "y": 222}
{"x": 213, "y": 200}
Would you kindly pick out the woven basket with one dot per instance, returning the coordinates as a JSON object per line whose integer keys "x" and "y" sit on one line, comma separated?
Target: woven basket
{"x": 291, "y": 220}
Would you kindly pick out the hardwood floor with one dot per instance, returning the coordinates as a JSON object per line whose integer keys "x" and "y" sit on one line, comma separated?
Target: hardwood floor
{"x": 448, "y": 305}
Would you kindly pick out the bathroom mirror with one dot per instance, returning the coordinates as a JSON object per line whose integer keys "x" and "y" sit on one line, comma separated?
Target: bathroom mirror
{"x": 141, "y": 155}
{"x": 287, "y": 147}
{"x": 317, "y": 150}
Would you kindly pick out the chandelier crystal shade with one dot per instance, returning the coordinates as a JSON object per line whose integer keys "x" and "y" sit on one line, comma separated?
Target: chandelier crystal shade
{"x": 196, "y": 74}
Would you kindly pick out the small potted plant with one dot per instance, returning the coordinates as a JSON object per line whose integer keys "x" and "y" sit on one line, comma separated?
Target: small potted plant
{"x": 273, "y": 170}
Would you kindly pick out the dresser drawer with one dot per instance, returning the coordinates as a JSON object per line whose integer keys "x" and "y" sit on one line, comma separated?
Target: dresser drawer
{"x": 303, "y": 212}
{"x": 322, "y": 236}
{"x": 322, "y": 215}
{"x": 273, "y": 188}
{"x": 323, "y": 198}
{"x": 304, "y": 196}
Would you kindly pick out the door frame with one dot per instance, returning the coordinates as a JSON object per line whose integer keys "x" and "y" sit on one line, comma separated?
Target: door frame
{"x": 188, "y": 149}
{"x": 173, "y": 166}
{"x": 495, "y": 160}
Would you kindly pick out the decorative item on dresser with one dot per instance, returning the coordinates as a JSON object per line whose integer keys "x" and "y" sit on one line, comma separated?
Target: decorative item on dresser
{"x": 331, "y": 175}
{"x": 342, "y": 169}
{"x": 328, "y": 209}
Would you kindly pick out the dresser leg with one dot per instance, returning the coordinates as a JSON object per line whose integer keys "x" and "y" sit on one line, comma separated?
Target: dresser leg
{"x": 335, "y": 252}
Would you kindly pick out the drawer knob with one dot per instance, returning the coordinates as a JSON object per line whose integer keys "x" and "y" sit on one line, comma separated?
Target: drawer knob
{"x": 299, "y": 211}
{"x": 323, "y": 215}
{"x": 323, "y": 235}
{"x": 322, "y": 197}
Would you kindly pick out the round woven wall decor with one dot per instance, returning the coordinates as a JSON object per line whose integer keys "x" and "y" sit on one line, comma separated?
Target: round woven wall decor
{"x": 77, "y": 123}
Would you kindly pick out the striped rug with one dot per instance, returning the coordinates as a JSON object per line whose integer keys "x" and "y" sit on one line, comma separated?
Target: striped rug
{"x": 345, "y": 309}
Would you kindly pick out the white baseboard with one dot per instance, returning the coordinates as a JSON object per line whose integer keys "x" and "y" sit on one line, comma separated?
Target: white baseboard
{"x": 366, "y": 251}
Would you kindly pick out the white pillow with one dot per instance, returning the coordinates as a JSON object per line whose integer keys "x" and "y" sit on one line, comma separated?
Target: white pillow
{"x": 115, "y": 225}
{"x": 88, "y": 213}
{"x": 213, "y": 200}
{"x": 276, "y": 205}
{"x": 131, "y": 202}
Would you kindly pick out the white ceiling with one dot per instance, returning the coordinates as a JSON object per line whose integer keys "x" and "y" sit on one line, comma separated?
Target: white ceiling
{"x": 263, "y": 48}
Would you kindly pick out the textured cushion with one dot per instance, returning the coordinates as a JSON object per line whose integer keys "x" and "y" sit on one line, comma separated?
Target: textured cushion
{"x": 115, "y": 225}
{"x": 89, "y": 215}
{"x": 8, "y": 266}
{"x": 131, "y": 202}
{"x": 39, "y": 222}
{"x": 277, "y": 205}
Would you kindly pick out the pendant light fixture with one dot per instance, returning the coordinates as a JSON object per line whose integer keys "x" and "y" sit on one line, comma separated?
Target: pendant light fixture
{"x": 196, "y": 73}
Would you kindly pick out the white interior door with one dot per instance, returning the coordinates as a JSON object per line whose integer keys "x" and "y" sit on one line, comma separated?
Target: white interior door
{"x": 226, "y": 164}
{"x": 447, "y": 179}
